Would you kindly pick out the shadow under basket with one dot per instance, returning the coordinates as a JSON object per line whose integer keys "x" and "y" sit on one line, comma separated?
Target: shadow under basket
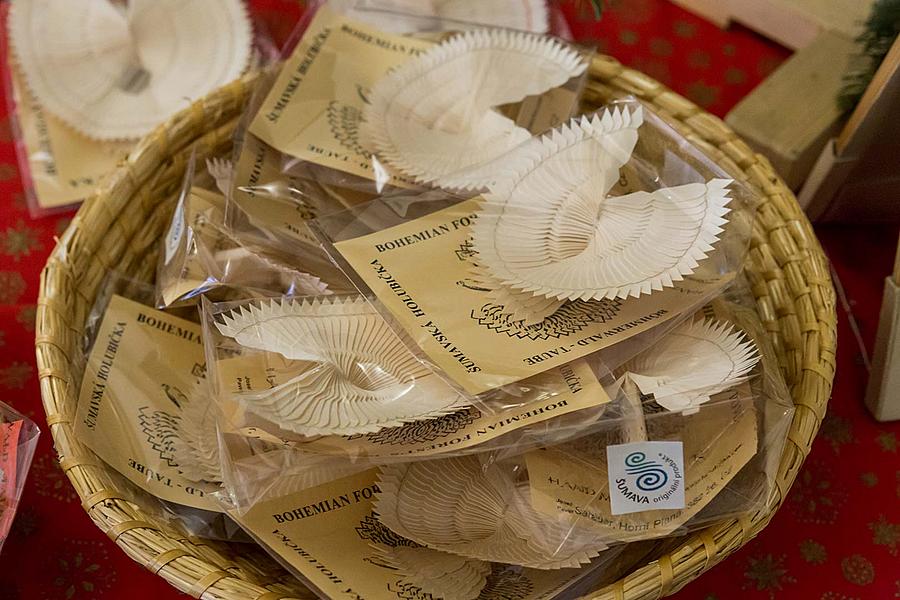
{"x": 119, "y": 229}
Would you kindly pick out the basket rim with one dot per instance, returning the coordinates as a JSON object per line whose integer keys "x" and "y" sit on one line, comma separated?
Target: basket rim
{"x": 787, "y": 269}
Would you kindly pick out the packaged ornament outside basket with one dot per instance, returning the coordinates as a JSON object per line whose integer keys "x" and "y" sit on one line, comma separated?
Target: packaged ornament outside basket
{"x": 18, "y": 440}
{"x": 86, "y": 80}
{"x": 356, "y": 111}
{"x": 202, "y": 254}
{"x": 594, "y": 238}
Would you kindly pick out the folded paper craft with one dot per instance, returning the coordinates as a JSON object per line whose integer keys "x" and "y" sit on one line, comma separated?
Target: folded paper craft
{"x": 692, "y": 363}
{"x": 457, "y": 505}
{"x": 433, "y": 117}
{"x": 197, "y": 444}
{"x": 551, "y": 229}
{"x": 114, "y": 70}
{"x": 354, "y": 374}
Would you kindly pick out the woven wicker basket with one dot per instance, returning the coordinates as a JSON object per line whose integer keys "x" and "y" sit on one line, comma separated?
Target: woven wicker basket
{"x": 119, "y": 229}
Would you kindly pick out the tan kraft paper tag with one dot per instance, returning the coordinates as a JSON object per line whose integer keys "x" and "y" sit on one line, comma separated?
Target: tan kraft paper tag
{"x": 453, "y": 321}
{"x": 143, "y": 367}
{"x": 331, "y": 536}
{"x": 717, "y": 442}
{"x": 65, "y": 166}
{"x": 557, "y": 392}
{"x": 314, "y": 108}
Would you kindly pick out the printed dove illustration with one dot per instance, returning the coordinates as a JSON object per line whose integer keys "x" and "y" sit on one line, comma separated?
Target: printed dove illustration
{"x": 553, "y": 231}
{"x": 692, "y": 363}
{"x": 161, "y": 431}
{"x": 433, "y": 117}
{"x": 359, "y": 376}
{"x": 440, "y": 574}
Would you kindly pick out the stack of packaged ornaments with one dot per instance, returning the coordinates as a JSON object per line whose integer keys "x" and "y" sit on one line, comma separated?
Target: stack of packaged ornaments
{"x": 455, "y": 340}
{"x": 90, "y": 78}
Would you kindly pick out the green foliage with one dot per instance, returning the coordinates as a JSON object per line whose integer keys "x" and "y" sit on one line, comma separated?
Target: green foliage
{"x": 881, "y": 29}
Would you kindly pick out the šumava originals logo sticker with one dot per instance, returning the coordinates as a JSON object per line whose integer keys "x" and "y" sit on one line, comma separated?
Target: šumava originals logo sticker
{"x": 646, "y": 476}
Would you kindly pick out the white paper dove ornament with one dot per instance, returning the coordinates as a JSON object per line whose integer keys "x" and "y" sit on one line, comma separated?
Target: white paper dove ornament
{"x": 455, "y": 505}
{"x": 433, "y": 117}
{"x": 442, "y": 575}
{"x": 553, "y": 230}
{"x": 692, "y": 363}
{"x": 409, "y": 16}
{"x": 115, "y": 70}
{"x": 360, "y": 376}
{"x": 197, "y": 445}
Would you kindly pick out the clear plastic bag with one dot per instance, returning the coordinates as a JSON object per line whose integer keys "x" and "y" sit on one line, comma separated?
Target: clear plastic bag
{"x": 202, "y": 255}
{"x": 623, "y": 226}
{"x": 18, "y": 441}
{"x": 143, "y": 369}
{"x": 546, "y": 513}
{"x": 61, "y": 166}
{"x": 311, "y": 134}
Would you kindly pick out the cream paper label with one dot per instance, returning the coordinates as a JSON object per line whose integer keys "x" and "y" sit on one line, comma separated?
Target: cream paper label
{"x": 330, "y": 535}
{"x": 65, "y": 166}
{"x": 717, "y": 442}
{"x": 560, "y": 391}
{"x": 421, "y": 271}
{"x": 314, "y": 109}
{"x": 143, "y": 366}
{"x": 259, "y": 167}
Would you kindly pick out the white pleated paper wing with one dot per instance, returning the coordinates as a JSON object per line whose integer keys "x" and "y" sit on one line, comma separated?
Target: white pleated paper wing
{"x": 454, "y": 505}
{"x": 115, "y": 71}
{"x": 433, "y": 117}
{"x": 552, "y": 229}
{"x": 692, "y": 363}
{"x": 409, "y": 16}
{"x": 360, "y": 377}
{"x": 442, "y": 575}
{"x": 197, "y": 445}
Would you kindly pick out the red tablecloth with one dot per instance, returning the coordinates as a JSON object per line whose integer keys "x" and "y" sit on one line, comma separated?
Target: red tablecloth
{"x": 837, "y": 536}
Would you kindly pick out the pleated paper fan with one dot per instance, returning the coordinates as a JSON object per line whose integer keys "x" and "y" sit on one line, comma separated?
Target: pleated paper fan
{"x": 197, "y": 445}
{"x": 114, "y": 72}
{"x": 409, "y": 16}
{"x": 692, "y": 363}
{"x": 442, "y": 575}
{"x": 360, "y": 377}
{"x": 553, "y": 230}
{"x": 432, "y": 118}
{"x": 456, "y": 506}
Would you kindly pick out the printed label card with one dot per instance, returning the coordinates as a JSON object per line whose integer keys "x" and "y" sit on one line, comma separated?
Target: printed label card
{"x": 65, "y": 166}
{"x": 141, "y": 373}
{"x": 649, "y": 488}
{"x": 347, "y": 82}
{"x": 561, "y": 391}
{"x": 422, "y": 272}
{"x": 314, "y": 109}
{"x": 330, "y": 535}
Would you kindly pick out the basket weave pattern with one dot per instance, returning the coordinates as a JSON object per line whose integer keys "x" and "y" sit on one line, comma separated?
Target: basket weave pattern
{"x": 119, "y": 228}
